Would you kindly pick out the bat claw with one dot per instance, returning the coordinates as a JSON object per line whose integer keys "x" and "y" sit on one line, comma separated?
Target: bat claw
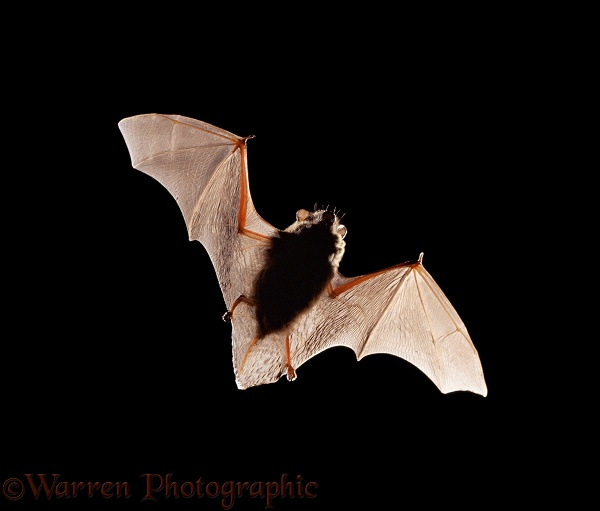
{"x": 227, "y": 316}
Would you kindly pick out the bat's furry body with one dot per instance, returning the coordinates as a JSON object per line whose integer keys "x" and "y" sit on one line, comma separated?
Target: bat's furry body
{"x": 299, "y": 265}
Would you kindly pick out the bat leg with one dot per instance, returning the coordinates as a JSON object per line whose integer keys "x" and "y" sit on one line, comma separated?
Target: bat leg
{"x": 291, "y": 373}
{"x": 254, "y": 341}
{"x": 242, "y": 298}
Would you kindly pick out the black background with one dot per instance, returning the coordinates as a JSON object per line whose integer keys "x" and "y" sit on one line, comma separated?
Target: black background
{"x": 116, "y": 360}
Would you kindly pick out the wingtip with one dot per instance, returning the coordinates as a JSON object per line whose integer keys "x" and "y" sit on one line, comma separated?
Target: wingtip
{"x": 480, "y": 390}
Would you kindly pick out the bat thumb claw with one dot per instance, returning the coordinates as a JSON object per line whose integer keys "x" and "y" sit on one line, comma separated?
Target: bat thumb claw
{"x": 227, "y": 316}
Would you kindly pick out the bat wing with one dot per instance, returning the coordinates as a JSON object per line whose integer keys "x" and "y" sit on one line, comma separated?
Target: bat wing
{"x": 399, "y": 311}
{"x": 205, "y": 170}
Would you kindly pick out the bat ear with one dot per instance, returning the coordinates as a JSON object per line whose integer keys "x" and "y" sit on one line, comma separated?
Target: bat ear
{"x": 301, "y": 215}
{"x": 342, "y": 231}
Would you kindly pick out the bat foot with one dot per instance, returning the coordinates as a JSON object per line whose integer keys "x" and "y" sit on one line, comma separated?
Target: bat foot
{"x": 229, "y": 314}
{"x": 291, "y": 373}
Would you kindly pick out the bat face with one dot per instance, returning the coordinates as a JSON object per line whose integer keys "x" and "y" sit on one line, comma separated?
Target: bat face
{"x": 286, "y": 298}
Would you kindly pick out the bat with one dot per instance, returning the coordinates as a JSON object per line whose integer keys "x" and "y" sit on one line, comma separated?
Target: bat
{"x": 285, "y": 297}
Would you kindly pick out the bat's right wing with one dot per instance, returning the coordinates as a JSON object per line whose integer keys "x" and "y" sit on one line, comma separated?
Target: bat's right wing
{"x": 205, "y": 169}
{"x": 399, "y": 311}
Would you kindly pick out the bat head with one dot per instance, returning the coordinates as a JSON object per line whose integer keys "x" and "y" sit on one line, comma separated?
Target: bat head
{"x": 319, "y": 217}
{"x": 326, "y": 226}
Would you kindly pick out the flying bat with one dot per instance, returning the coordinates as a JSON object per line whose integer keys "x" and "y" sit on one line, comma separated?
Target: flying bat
{"x": 285, "y": 296}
